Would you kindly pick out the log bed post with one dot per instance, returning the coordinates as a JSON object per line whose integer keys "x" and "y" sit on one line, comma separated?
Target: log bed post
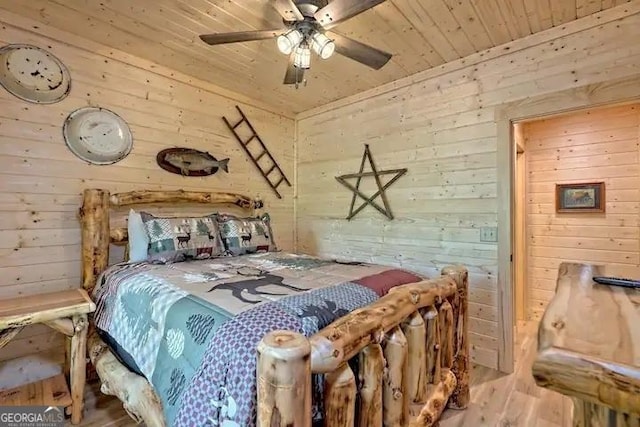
{"x": 460, "y": 396}
{"x": 432, "y": 345}
{"x": 340, "y": 397}
{"x": 284, "y": 380}
{"x": 395, "y": 396}
{"x": 414, "y": 330}
{"x": 445, "y": 318}
{"x": 371, "y": 364}
{"x": 94, "y": 217}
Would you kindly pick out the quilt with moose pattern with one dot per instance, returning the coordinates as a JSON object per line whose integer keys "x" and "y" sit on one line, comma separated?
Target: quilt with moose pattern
{"x": 192, "y": 328}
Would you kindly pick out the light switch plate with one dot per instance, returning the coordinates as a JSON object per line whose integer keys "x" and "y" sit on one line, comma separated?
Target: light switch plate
{"x": 489, "y": 234}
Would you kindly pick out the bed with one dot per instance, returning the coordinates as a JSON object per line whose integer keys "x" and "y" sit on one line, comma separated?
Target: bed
{"x": 269, "y": 338}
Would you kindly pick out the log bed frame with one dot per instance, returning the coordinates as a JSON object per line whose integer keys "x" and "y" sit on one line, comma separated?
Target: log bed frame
{"x": 412, "y": 344}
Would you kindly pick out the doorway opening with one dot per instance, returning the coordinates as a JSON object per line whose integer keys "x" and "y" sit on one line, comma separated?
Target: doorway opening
{"x": 584, "y": 150}
{"x": 565, "y": 102}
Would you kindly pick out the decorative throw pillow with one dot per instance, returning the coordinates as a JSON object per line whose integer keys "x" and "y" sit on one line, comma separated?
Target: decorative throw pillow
{"x": 246, "y": 235}
{"x": 180, "y": 239}
{"x": 138, "y": 238}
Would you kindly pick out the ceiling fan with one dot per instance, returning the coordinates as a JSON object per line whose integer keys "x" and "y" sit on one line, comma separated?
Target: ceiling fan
{"x": 306, "y": 23}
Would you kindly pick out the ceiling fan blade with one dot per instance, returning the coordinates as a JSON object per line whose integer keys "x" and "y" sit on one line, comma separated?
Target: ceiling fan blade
{"x": 365, "y": 54}
{"x": 294, "y": 74}
{"x": 240, "y": 36}
{"x": 287, "y": 9}
{"x": 341, "y": 10}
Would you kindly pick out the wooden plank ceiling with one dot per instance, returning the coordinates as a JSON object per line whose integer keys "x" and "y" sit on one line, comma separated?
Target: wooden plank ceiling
{"x": 419, "y": 33}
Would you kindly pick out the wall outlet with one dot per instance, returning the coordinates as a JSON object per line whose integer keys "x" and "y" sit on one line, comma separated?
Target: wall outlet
{"x": 489, "y": 234}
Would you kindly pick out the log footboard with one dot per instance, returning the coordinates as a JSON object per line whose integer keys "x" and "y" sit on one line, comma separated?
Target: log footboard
{"x": 413, "y": 361}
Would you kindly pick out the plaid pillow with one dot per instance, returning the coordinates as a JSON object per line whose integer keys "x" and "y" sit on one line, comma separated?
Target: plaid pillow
{"x": 246, "y": 235}
{"x": 180, "y": 239}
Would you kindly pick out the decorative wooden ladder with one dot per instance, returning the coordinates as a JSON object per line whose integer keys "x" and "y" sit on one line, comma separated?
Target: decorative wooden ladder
{"x": 270, "y": 167}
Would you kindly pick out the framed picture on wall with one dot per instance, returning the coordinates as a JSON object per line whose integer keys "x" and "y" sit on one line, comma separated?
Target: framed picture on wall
{"x": 584, "y": 197}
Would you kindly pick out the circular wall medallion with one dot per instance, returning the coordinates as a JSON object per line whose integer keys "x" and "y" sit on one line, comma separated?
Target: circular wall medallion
{"x": 97, "y": 135}
{"x": 33, "y": 74}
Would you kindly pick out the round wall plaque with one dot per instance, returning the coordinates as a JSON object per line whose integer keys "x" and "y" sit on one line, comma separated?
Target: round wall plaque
{"x": 97, "y": 135}
{"x": 33, "y": 74}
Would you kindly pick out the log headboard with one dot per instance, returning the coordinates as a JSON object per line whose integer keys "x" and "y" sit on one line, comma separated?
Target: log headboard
{"x": 97, "y": 233}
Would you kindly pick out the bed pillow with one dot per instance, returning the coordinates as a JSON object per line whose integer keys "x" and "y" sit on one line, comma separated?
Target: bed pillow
{"x": 246, "y": 235}
{"x": 138, "y": 238}
{"x": 182, "y": 238}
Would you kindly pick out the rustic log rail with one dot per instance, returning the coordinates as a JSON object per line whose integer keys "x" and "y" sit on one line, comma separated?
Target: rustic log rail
{"x": 418, "y": 332}
{"x": 411, "y": 345}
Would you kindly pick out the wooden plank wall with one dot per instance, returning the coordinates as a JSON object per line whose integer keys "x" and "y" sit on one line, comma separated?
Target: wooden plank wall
{"x": 41, "y": 180}
{"x": 588, "y": 146}
{"x": 441, "y": 126}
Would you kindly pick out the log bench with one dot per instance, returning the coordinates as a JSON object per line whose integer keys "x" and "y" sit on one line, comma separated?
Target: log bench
{"x": 65, "y": 312}
{"x": 589, "y": 347}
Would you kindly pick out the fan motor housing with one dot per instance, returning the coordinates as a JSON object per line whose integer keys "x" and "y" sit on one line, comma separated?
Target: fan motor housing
{"x": 309, "y": 7}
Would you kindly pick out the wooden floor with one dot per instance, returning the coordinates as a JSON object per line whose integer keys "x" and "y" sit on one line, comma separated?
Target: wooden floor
{"x": 512, "y": 400}
{"x": 496, "y": 399}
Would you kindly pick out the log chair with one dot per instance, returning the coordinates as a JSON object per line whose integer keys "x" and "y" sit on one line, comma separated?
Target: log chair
{"x": 411, "y": 344}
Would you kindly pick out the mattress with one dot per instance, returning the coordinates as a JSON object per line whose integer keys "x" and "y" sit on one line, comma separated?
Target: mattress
{"x": 191, "y": 328}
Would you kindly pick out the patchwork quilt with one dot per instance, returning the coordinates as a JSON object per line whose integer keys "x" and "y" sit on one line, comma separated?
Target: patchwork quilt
{"x": 191, "y": 328}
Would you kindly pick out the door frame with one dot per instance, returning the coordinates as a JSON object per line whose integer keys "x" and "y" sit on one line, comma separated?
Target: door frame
{"x": 618, "y": 91}
{"x": 520, "y": 228}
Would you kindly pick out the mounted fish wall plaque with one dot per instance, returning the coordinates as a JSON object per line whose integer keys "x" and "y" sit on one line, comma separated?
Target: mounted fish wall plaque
{"x": 190, "y": 162}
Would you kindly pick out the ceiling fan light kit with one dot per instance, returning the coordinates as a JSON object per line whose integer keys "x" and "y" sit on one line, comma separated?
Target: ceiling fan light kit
{"x": 289, "y": 40}
{"x": 298, "y": 40}
{"x": 302, "y": 58}
{"x": 322, "y": 45}
{"x": 307, "y": 22}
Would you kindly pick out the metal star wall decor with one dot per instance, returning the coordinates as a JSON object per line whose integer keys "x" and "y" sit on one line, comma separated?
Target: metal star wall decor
{"x": 381, "y": 188}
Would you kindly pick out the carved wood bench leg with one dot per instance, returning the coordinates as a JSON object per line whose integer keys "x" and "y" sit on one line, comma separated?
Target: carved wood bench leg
{"x": 78, "y": 366}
